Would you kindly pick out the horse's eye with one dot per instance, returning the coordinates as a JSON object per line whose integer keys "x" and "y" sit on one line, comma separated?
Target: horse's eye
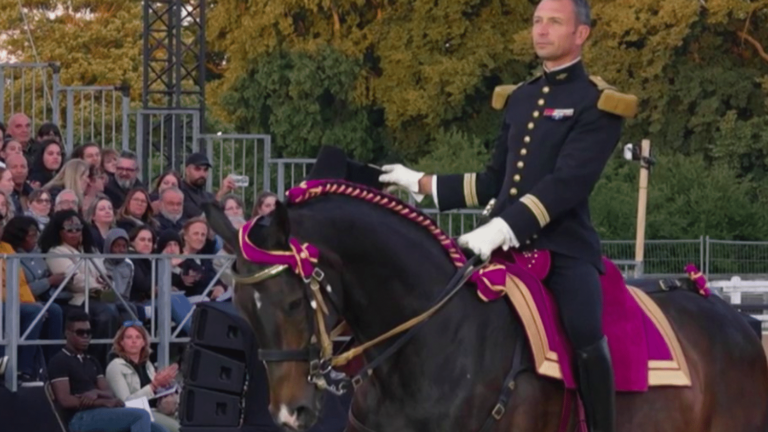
{"x": 295, "y": 305}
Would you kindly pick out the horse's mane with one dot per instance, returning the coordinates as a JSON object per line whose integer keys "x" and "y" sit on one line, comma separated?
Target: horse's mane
{"x": 312, "y": 189}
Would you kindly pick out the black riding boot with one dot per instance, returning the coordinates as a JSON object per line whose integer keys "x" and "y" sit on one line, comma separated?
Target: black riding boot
{"x": 596, "y": 386}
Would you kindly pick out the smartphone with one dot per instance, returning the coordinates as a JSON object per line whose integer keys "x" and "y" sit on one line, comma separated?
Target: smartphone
{"x": 240, "y": 180}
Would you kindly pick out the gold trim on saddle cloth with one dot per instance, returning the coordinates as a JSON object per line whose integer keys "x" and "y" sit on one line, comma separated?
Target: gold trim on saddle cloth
{"x": 663, "y": 372}
{"x": 545, "y": 360}
{"x": 660, "y": 372}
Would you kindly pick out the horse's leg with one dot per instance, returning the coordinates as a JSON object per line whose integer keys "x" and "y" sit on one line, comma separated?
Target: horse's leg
{"x": 536, "y": 405}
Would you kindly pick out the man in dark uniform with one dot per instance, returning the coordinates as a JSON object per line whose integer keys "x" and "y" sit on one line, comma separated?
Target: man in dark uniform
{"x": 559, "y": 130}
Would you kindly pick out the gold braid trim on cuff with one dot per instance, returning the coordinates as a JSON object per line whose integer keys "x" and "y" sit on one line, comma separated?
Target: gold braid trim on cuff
{"x": 537, "y": 208}
{"x": 470, "y": 190}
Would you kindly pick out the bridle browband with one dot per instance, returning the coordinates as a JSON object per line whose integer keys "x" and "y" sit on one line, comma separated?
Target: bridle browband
{"x": 302, "y": 259}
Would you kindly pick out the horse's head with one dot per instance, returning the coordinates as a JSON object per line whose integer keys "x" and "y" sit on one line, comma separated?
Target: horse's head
{"x": 276, "y": 296}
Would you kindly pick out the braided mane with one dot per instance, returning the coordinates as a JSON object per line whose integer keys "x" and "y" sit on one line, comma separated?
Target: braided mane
{"x": 311, "y": 189}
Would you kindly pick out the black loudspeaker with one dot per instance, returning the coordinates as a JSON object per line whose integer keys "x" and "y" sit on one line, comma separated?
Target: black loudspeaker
{"x": 223, "y": 339}
{"x": 207, "y": 369}
{"x": 199, "y": 406}
{"x": 218, "y": 327}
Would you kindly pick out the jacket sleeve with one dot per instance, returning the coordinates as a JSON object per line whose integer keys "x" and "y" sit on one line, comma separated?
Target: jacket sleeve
{"x": 577, "y": 169}
{"x": 474, "y": 189}
{"x": 64, "y": 265}
{"x": 119, "y": 384}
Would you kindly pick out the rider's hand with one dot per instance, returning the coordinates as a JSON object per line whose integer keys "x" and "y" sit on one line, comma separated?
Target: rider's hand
{"x": 402, "y": 176}
{"x": 489, "y": 237}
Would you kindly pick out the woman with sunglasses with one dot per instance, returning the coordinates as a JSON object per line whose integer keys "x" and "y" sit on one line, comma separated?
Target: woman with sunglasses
{"x": 64, "y": 236}
{"x": 131, "y": 375}
{"x": 39, "y": 209}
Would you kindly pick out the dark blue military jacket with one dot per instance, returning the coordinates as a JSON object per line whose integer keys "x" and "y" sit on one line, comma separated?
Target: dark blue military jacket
{"x": 559, "y": 130}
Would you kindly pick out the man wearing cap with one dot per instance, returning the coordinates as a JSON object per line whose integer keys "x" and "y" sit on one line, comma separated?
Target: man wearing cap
{"x": 195, "y": 177}
{"x": 126, "y": 178}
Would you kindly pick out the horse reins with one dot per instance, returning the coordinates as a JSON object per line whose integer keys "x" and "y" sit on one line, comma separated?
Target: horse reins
{"x": 321, "y": 358}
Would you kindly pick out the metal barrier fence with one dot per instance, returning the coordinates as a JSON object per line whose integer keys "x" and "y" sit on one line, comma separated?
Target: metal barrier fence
{"x": 160, "y": 328}
{"x": 240, "y": 154}
{"x": 30, "y": 88}
{"x": 97, "y": 114}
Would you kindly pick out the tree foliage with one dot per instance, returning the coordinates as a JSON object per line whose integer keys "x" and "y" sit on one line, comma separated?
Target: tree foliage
{"x": 419, "y": 76}
{"x": 96, "y": 42}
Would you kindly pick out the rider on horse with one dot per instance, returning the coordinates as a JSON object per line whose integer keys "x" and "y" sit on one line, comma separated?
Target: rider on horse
{"x": 559, "y": 130}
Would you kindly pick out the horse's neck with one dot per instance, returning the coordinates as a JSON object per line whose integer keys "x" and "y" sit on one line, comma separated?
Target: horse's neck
{"x": 463, "y": 346}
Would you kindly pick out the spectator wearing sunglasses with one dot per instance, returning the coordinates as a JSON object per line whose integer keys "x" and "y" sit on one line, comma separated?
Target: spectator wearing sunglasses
{"x": 81, "y": 390}
{"x": 64, "y": 236}
{"x": 131, "y": 375}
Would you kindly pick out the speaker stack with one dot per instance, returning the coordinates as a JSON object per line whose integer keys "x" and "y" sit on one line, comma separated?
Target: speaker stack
{"x": 225, "y": 384}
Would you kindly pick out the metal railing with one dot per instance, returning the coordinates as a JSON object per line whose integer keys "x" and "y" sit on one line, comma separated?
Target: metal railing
{"x": 160, "y": 328}
{"x": 30, "y": 88}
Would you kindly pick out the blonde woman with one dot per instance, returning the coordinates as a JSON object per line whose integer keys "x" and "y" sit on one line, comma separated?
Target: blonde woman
{"x": 74, "y": 175}
{"x": 131, "y": 374}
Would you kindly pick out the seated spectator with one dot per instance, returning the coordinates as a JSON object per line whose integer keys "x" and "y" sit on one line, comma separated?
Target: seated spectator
{"x": 109, "y": 162}
{"x": 64, "y": 236}
{"x": 96, "y": 183}
{"x": 74, "y": 175}
{"x": 6, "y": 208}
{"x": 136, "y": 211}
{"x": 224, "y": 256}
{"x": 169, "y": 243}
{"x": 198, "y": 274}
{"x": 264, "y": 205}
{"x": 233, "y": 206}
{"x": 120, "y": 269}
{"x": 132, "y": 375}
{"x": 171, "y": 208}
{"x": 66, "y": 200}
{"x": 22, "y": 235}
{"x": 28, "y": 308}
{"x": 49, "y": 131}
{"x": 39, "y": 207}
{"x": 3, "y": 129}
{"x": 197, "y": 169}
{"x": 46, "y": 164}
{"x": 89, "y": 152}
{"x": 6, "y": 183}
{"x": 126, "y": 179}
{"x": 17, "y": 165}
{"x": 79, "y": 387}
{"x": 20, "y": 129}
{"x": 100, "y": 218}
{"x": 142, "y": 241}
{"x": 10, "y": 147}
{"x": 167, "y": 180}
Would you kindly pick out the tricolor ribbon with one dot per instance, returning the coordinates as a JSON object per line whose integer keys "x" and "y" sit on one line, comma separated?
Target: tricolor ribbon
{"x": 698, "y": 279}
{"x": 301, "y": 258}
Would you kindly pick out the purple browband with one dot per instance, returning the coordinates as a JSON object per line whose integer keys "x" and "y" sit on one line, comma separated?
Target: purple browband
{"x": 301, "y": 258}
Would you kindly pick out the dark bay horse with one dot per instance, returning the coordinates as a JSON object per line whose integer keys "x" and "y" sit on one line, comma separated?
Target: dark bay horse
{"x": 382, "y": 270}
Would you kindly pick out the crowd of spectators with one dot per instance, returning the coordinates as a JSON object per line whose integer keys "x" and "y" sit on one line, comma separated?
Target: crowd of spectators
{"x": 93, "y": 201}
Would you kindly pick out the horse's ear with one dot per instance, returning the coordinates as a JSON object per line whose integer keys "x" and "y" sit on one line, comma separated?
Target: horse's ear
{"x": 280, "y": 224}
{"x": 220, "y": 224}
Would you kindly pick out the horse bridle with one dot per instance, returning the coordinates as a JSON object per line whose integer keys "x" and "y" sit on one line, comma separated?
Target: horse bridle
{"x": 319, "y": 351}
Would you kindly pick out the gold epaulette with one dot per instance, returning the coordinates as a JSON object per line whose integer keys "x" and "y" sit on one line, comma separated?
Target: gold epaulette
{"x": 500, "y": 95}
{"x": 613, "y": 101}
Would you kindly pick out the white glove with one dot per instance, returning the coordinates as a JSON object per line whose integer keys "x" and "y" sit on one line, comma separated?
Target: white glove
{"x": 402, "y": 176}
{"x": 489, "y": 237}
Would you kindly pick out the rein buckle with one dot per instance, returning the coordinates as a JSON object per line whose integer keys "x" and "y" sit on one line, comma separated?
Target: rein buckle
{"x": 498, "y": 412}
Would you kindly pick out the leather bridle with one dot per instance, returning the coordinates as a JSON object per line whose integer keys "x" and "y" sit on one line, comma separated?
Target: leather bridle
{"x": 319, "y": 350}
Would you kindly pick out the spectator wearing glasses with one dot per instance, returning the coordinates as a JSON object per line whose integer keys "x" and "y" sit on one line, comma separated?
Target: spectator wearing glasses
{"x": 131, "y": 375}
{"x": 64, "y": 236}
{"x": 39, "y": 207}
{"x": 80, "y": 388}
{"x": 136, "y": 211}
{"x": 66, "y": 200}
{"x": 126, "y": 178}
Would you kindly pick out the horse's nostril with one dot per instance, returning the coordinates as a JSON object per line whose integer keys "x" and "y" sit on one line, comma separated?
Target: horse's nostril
{"x": 305, "y": 415}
